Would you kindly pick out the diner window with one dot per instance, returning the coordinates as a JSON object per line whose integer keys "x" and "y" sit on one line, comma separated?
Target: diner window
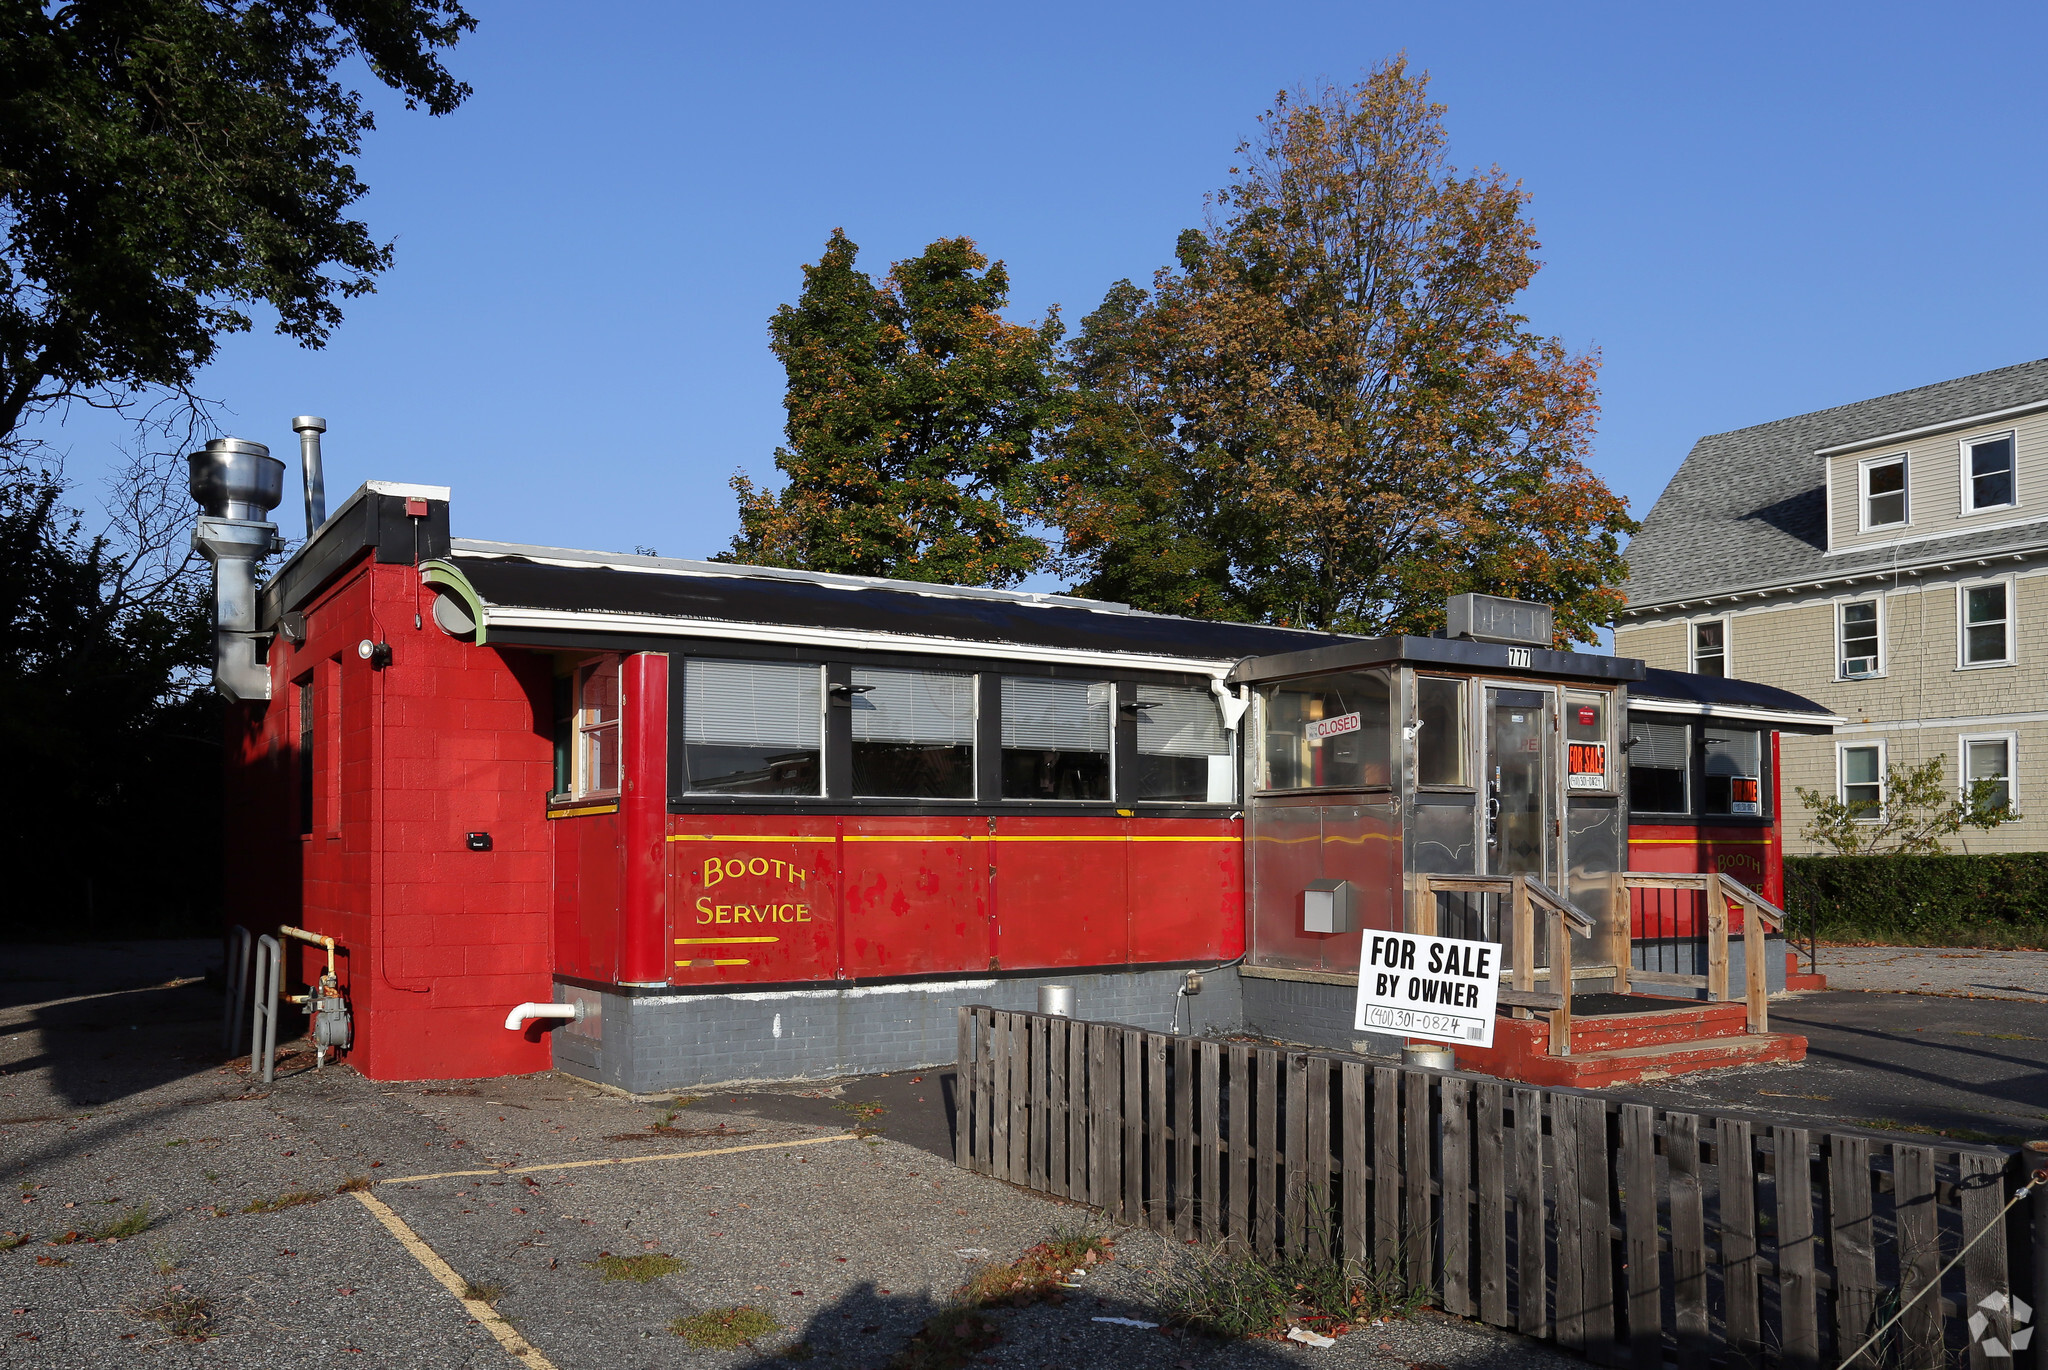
{"x": 913, "y": 734}
{"x": 1710, "y": 648}
{"x": 1327, "y": 732}
{"x": 1884, "y": 492}
{"x": 1732, "y": 781}
{"x": 1055, "y": 738}
{"x": 1860, "y": 646}
{"x": 308, "y": 707}
{"x": 753, "y": 728}
{"x": 597, "y": 727}
{"x": 1183, "y": 751}
{"x": 1988, "y": 475}
{"x": 1440, "y": 746}
{"x": 1988, "y": 759}
{"x": 1862, "y": 780}
{"x": 1589, "y": 766}
{"x": 1659, "y": 767}
{"x": 1986, "y": 613}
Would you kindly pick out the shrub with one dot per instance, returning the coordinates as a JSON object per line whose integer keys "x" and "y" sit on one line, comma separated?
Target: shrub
{"x": 1986, "y": 901}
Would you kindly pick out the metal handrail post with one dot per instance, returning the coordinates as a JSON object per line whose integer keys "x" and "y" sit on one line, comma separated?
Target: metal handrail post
{"x": 263, "y": 1016}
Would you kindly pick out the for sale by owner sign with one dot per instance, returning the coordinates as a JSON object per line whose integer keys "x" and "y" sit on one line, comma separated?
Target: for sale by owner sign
{"x": 1442, "y": 989}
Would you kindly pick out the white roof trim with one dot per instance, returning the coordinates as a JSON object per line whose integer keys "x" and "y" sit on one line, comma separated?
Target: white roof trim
{"x": 1740, "y": 712}
{"x": 405, "y": 491}
{"x": 1969, "y": 421}
{"x": 575, "y": 620}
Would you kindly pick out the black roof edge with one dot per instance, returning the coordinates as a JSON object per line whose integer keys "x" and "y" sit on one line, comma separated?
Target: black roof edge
{"x": 1432, "y": 651}
{"x": 371, "y": 518}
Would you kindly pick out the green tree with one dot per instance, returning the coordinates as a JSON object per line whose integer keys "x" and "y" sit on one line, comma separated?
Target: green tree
{"x": 1330, "y": 414}
{"x": 1917, "y": 811}
{"x": 112, "y": 824}
{"x": 914, "y": 410}
{"x": 165, "y": 165}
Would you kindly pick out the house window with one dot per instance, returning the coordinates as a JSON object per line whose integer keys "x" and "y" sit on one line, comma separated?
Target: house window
{"x": 1988, "y": 473}
{"x": 913, "y": 734}
{"x": 1440, "y": 746}
{"x": 597, "y": 727}
{"x": 1884, "y": 492}
{"x": 1862, "y": 779}
{"x": 1659, "y": 767}
{"x": 1987, "y": 636}
{"x": 1328, "y": 732}
{"x": 1989, "y": 759}
{"x": 1056, "y": 738}
{"x": 1732, "y": 773}
{"x": 753, "y": 728}
{"x": 1183, "y": 751}
{"x": 1860, "y": 653}
{"x": 1710, "y": 648}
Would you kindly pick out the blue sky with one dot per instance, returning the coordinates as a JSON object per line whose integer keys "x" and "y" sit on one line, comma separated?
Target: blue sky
{"x": 1751, "y": 210}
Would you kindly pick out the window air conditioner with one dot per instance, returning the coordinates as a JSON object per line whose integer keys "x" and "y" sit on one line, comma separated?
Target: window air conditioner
{"x": 1856, "y": 667}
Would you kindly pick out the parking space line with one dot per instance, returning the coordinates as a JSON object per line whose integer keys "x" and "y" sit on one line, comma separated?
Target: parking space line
{"x": 454, "y": 1284}
{"x": 622, "y": 1160}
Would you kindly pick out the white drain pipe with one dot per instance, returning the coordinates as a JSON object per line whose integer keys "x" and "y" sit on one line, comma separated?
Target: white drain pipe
{"x": 517, "y": 1018}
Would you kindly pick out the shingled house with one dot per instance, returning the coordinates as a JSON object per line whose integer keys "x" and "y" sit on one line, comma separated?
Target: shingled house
{"x": 1885, "y": 559}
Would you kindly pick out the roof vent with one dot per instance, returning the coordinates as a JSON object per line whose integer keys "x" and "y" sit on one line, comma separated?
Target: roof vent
{"x": 1490, "y": 618}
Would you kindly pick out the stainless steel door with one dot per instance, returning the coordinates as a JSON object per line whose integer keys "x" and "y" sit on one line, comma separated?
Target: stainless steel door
{"x": 1518, "y": 816}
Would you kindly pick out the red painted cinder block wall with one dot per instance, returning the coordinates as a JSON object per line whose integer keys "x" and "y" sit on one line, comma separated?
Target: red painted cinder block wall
{"x": 438, "y": 941}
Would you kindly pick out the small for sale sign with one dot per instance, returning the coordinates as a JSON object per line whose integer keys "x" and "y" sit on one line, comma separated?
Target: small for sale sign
{"x": 1442, "y": 989}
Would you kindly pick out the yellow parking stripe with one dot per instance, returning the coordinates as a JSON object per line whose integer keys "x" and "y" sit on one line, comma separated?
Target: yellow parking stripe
{"x": 619, "y": 1160}
{"x": 517, "y": 1345}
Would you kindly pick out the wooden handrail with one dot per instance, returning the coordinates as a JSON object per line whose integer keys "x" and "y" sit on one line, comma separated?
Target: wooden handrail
{"x": 1770, "y": 913}
{"x": 1581, "y": 921}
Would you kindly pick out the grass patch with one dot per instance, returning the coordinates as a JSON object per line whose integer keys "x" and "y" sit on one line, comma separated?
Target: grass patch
{"x": 354, "y": 1184}
{"x": 488, "y": 1293}
{"x": 1234, "y": 1294}
{"x": 10, "y": 1240}
{"x": 725, "y": 1329}
{"x": 643, "y": 1269}
{"x": 132, "y": 1223}
{"x": 1954, "y": 1134}
{"x": 180, "y": 1313}
{"x": 289, "y": 1199}
{"x": 864, "y": 1115}
{"x": 957, "y": 1333}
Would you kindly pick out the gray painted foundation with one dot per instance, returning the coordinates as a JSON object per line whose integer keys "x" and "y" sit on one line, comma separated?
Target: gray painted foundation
{"x": 652, "y": 1043}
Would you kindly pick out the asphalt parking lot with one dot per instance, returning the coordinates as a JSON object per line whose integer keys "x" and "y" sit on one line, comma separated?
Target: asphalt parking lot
{"x": 115, "y": 1105}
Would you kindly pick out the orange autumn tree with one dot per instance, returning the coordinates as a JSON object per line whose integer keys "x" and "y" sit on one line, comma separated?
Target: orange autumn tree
{"x": 1331, "y": 415}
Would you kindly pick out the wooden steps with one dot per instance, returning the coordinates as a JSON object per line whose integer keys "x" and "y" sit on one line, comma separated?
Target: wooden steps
{"x": 1629, "y": 1048}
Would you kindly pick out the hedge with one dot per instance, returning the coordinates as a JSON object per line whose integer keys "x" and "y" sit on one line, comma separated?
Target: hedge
{"x": 1999, "y": 900}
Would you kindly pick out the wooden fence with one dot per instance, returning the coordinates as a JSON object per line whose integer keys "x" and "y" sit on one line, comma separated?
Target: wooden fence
{"x": 1635, "y": 1234}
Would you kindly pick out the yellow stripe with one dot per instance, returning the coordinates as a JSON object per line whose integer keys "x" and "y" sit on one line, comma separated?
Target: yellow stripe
{"x": 580, "y": 813}
{"x": 617, "y": 1160}
{"x": 719, "y": 941}
{"x": 687, "y": 965}
{"x": 519, "y": 1348}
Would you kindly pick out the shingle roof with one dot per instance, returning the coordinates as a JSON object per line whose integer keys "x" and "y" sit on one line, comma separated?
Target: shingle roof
{"x": 1747, "y": 509}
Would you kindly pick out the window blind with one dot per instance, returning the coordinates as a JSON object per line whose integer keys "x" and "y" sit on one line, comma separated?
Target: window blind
{"x": 932, "y": 708}
{"x": 1055, "y": 715}
{"x": 1661, "y": 746}
{"x": 751, "y": 704}
{"x": 1181, "y": 722}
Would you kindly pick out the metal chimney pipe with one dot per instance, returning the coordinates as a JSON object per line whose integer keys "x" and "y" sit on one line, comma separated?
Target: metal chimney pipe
{"x": 309, "y": 430}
